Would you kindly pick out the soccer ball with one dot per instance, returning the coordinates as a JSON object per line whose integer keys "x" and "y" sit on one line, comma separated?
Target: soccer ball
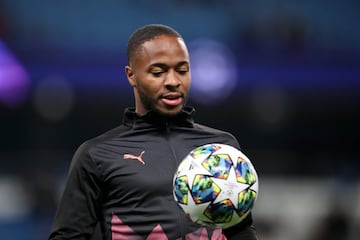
{"x": 216, "y": 185}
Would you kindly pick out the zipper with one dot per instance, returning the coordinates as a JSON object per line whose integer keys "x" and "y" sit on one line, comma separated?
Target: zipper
{"x": 181, "y": 219}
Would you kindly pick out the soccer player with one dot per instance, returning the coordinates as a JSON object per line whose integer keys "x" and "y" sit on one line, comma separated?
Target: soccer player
{"x": 122, "y": 180}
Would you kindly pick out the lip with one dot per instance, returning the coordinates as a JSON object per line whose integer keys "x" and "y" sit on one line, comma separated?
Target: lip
{"x": 172, "y": 95}
{"x": 172, "y": 99}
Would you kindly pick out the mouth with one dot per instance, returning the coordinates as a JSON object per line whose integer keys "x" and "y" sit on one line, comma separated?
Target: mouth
{"x": 172, "y": 99}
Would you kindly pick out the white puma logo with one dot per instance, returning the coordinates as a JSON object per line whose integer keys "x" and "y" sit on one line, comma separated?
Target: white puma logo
{"x": 139, "y": 158}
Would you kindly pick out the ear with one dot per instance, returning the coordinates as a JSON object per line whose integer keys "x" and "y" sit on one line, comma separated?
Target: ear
{"x": 130, "y": 76}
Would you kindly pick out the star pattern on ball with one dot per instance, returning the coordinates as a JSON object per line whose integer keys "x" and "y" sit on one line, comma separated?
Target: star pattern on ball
{"x": 230, "y": 188}
{"x": 194, "y": 168}
{"x": 189, "y": 207}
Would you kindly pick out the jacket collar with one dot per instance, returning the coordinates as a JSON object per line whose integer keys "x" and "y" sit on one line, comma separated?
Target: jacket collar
{"x": 154, "y": 119}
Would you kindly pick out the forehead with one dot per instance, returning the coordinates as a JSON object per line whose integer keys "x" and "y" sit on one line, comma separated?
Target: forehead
{"x": 162, "y": 49}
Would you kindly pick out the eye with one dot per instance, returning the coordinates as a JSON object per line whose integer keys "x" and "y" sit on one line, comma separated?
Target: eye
{"x": 183, "y": 71}
{"x": 157, "y": 73}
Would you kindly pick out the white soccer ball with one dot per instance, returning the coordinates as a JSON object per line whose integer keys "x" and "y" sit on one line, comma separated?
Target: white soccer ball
{"x": 216, "y": 185}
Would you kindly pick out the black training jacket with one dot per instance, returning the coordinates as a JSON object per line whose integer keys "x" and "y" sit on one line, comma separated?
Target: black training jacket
{"x": 122, "y": 180}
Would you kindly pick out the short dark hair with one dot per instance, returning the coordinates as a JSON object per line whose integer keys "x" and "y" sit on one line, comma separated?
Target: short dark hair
{"x": 146, "y": 33}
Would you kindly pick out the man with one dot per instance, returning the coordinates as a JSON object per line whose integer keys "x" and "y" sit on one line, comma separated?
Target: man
{"x": 123, "y": 178}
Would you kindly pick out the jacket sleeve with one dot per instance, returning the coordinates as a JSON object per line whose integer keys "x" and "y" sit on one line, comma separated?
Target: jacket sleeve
{"x": 242, "y": 231}
{"x": 77, "y": 213}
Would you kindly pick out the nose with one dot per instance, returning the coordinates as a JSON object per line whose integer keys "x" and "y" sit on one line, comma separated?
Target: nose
{"x": 172, "y": 79}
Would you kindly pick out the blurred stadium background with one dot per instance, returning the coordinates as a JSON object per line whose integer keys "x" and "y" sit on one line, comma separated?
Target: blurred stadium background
{"x": 283, "y": 76}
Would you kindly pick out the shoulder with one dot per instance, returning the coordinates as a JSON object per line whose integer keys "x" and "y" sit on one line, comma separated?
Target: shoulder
{"x": 205, "y": 128}
{"x": 86, "y": 149}
{"x": 104, "y": 137}
{"x": 223, "y": 136}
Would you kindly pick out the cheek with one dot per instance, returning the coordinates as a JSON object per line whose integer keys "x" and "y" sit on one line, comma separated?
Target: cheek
{"x": 149, "y": 86}
{"x": 186, "y": 84}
